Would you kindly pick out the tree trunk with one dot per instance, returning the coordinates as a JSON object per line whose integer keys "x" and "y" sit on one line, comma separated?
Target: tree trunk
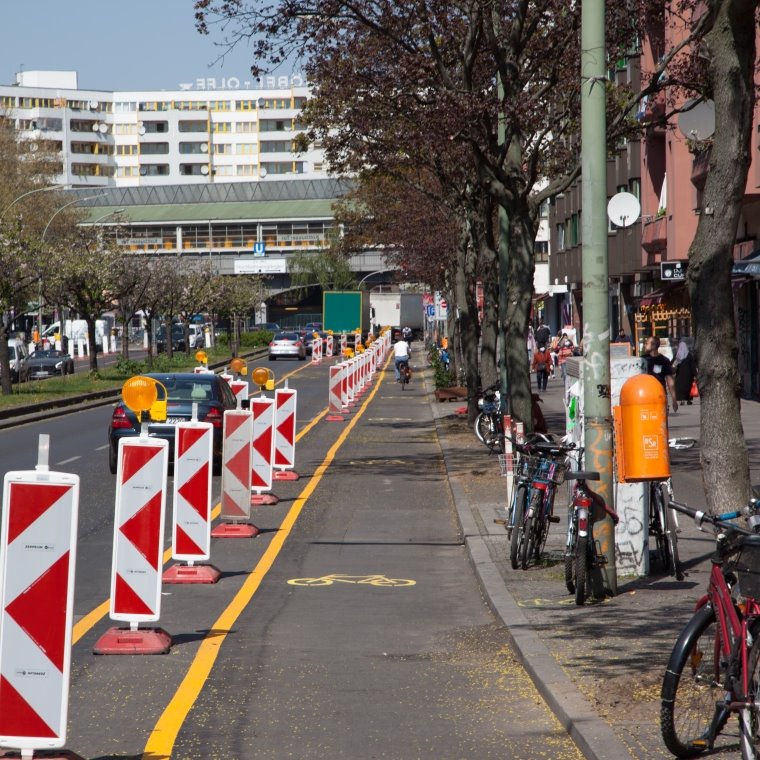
{"x": 731, "y": 46}
{"x": 489, "y": 328}
{"x": 468, "y": 327}
{"x": 168, "y": 337}
{"x": 519, "y": 294}
{"x": 93, "y": 347}
{"x": 5, "y": 364}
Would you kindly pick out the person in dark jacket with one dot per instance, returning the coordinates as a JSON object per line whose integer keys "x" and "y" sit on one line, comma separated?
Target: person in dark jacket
{"x": 686, "y": 372}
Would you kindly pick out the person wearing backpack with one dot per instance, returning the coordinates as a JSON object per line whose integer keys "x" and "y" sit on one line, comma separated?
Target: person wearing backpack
{"x": 540, "y": 365}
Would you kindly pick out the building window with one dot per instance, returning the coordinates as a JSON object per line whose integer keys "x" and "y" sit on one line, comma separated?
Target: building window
{"x": 126, "y": 150}
{"x": 222, "y": 149}
{"x": 193, "y": 170}
{"x": 246, "y": 170}
{"x": 193, "y": 148}
{"x": 156, "y": 127}
{"x": 245, "y": 126}
{"x": 283, "y": 167}
{"x": 126, "y": 171}
{"x": 223, "y": 171}
{"x": 245, "y": 105}
{"x": 246, "y": 149}
{"x": 191, "y": 105}
{"x": 274, "y": 103}
{"x": 220, "y": 127}
{"x": 541, "y": 251}
{"x": 80, "y": 125}
{"x": 560, "y": 237}
{"x": 276, "y": 146}
{"x": 154, "y": 149}
{"x": 193, "y": 126}
{"x": 154, "y": 170}
{"x": 123, "y": 107}
{"x": 275, "y": 125}
{"x": 634, "y": 187}
{"x": 154, "y": 105}
{"x": 125, "y": 129}
{"x": 220, "y": 105}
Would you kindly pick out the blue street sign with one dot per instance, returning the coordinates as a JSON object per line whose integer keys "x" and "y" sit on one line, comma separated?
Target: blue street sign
{"x": 430, "y": 310}
{"x": 259, "y": 249}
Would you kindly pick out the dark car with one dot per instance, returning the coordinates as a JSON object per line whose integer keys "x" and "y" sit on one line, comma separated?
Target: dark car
{"x": 178, "y": 338}
{"x": 309, "y": 339}
{"x": 209, "y": 391}
{"x": 46, "y": 363}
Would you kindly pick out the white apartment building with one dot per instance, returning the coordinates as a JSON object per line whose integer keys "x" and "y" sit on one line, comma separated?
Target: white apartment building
{"x": 207, "y": 131}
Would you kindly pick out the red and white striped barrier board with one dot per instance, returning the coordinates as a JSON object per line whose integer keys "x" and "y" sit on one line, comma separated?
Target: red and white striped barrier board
{"x": 203, "y": 370}
{"x": 240, "y": 389}
{"x": 138, "y": 547}
{"x": 236, "y": 476}
{"x": 262, "y": 450}
{"x": 191, "y": 526}
{"x": 329, "y": 346}
{"x": 316, "y": 350}
{"x": 38, "y": 551}
{"x": 226, "y": 377}
{"x": 334, "y": 394}
{"x": 343, "y": 344}
{"x": 285, "y": 406}
{"x": 350, "y": 381}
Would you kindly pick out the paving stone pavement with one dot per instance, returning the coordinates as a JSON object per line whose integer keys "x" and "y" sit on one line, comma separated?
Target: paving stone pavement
{"x": 599, "y": 666}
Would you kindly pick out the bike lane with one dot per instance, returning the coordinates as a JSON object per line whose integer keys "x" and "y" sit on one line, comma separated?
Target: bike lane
{"x": 349, "y": 664}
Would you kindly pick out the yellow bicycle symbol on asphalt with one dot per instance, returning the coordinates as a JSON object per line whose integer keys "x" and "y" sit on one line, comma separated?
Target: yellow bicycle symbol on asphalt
{"x": 361, "y": 580}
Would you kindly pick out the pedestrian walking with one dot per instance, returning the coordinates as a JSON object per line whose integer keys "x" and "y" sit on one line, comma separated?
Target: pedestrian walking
{"x": 660, "y": 366}
{"x": 543, "y": 334}
{"x": 540, "y": 365}
{"x": 565, "y": 350}
{"x": 685, "y": 372}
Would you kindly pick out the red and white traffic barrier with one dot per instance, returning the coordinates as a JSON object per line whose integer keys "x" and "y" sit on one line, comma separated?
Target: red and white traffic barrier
{"x": 37, "y": 564}
{"x": 285, "y": 405}
{"x": 343, "y": 344}
{"x": 236, "y": 476}
{"x": 191, "y": 526}
{"x": 329, "y": 346}
{"x": 240, "y": 390}
{"x": 350, "y": 397}
{"x": 262, "y": 451}
{"x": 316, "y": 350}
{"x": 138, "y": 548}
{"x": 335, "y": 393}
{"x": 227, "y": 377}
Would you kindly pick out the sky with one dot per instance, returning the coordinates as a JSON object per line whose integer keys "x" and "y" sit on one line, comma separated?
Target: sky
{"x": 115, "y": 44}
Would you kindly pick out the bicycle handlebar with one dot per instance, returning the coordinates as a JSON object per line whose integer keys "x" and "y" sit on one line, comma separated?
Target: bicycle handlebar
{"x": 717, "y": 521}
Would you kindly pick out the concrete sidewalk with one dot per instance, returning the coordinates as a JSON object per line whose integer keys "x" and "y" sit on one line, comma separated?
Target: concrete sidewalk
{"x": 599, "y": 666}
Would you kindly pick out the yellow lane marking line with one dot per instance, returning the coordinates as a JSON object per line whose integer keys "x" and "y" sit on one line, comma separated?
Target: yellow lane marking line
{"x": 362, "y": 580}
{"x": 161, "y": 740}
{"x": 92, "y": 618}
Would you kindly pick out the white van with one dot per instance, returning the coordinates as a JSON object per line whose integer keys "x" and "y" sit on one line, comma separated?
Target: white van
{"x": 18, "y": 357}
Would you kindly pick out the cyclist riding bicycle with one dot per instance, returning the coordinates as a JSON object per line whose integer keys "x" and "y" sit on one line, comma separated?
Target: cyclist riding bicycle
{"x": 406, "y": 334}
{"x": 401, "y": 352}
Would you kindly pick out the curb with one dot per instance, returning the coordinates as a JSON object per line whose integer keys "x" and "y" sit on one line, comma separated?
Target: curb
{"x": 593, "y": 735}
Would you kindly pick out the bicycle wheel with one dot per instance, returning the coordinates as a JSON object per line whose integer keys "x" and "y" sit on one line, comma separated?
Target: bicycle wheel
{"x": 671, "y": 537}
{"x": 527, "y": 544}
{"x": 521, "y": 498}
{"x": 581, "y": 569}
{"x": 488, "y": 430}
{"x": 656, "y": 525}
{"x": 690, "y": 715}
{"x": 749, "y": 719}
{"x": 570, "y": 550}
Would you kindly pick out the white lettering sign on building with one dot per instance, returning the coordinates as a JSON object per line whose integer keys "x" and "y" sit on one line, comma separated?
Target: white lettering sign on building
{"x": 260, "y": 266}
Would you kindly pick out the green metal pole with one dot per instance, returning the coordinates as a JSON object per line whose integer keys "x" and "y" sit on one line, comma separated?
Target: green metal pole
{"x": 503, "y": 274}
{"x": 596, "y": 336}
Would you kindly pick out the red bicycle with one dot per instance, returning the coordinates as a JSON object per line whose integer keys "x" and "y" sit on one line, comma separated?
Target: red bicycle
{"x": 714, "y": 669}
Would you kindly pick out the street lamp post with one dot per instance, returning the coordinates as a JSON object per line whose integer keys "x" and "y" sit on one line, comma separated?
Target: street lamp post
{"x": 44, "y": 233}
{"x": 31, "y": 192}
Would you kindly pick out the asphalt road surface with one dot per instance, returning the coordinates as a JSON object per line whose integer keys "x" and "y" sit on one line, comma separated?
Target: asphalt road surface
{"x": 351, "y": 627}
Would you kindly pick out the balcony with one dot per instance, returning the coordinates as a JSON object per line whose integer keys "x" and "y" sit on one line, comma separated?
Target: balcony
{"x": 654, "y": 238}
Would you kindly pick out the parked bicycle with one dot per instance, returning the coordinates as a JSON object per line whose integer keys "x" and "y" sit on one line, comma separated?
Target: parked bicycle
{"x": 664, "y": 526}
{"x": 488, "y": 424}
{"x": 583, "y": 559}
{"x": 714, "y": 669}
{"x": 540, "y": 466}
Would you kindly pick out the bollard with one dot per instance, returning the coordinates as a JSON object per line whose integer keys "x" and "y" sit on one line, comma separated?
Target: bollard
{"x": 262, "y": 451}
{"x": 285, "y": 403}
{"x": 334, "y": 395}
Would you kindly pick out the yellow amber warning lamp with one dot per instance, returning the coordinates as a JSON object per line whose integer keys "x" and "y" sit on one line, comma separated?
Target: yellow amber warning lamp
{"x": 264, "y": 378}
{"x": 201, "y": 356}
{"x": 238, "y": 366}
{"x": 141, "y": 394}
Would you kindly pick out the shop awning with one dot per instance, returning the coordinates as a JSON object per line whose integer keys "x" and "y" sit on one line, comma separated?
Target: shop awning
{"x": 749, "y": 266}
{"x": 660, "y": 295}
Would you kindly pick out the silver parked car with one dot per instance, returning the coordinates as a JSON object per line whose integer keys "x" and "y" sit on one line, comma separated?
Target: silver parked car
{"x": 285, "y": 344}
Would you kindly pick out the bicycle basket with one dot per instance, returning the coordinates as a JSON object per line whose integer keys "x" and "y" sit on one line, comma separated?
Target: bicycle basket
{"x": 747, "y": 566}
